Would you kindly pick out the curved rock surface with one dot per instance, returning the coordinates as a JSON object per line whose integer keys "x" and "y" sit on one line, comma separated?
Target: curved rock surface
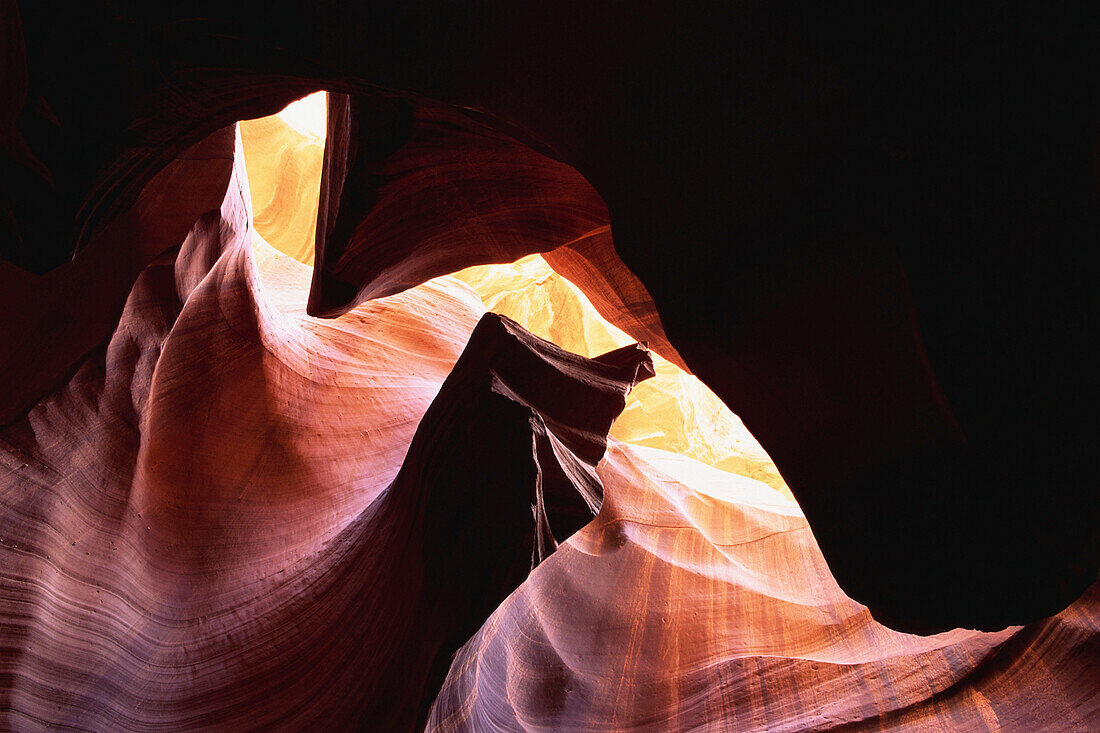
{"x": 220, "y": 512}
{"x": 909, "y": 205}
{"x": 215, "y": 523}
{"x": 238, "y": 516}
{"x": 716, "y": 612}
{"x": 284, "y": 176}
{"x": 673, "y": 410}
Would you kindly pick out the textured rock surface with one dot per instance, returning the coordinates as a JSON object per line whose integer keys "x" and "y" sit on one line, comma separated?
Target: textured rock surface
{"x": 49, "y": 322}
{"x": 716, "y": 612}
{"x": 673, "y": 411}
{"x": 284, "y": 176}
{"x": 221, "y": 498}
{"x": 387, "y": 157}
{"x": 210, "y": 503}
{"x": 909, "y": 204}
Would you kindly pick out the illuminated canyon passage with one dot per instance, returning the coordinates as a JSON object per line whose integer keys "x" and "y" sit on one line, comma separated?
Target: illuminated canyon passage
{"x": 406, "y": 410}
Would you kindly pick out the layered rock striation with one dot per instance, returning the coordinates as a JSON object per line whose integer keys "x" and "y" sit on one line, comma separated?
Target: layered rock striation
{"x": 238, "y": 492}
{"x": 226, "y": 512}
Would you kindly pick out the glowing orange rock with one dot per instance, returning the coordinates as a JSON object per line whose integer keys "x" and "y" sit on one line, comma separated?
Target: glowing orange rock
{"x": 284, "y": 175}
{"x": 673, "y": 411}
{"x": 235, "y": 515}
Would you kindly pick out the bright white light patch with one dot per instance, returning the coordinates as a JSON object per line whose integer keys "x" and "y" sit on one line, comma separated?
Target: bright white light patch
{"x": 308, "y": 115}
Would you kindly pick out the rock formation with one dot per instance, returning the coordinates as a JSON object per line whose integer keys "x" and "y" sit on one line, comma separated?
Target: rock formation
{"x": 726, "y": 617}
{"x": 233, "y": 493}
{"x": 319, "y": 485}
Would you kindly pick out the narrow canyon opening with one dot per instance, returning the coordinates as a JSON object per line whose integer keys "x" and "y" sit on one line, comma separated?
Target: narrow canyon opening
{"x": 258, "y": 473}
{"x": 672, "y": 412}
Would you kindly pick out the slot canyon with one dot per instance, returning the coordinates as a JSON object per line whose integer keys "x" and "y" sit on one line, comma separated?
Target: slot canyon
{"x": 474, "y": 367}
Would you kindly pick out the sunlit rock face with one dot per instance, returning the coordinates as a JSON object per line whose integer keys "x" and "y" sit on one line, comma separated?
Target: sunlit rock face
{"x": 673, "y": 411}
{"x": 283, "y": 153}
{"x": 191, "y": 479}
{"x": 698, "y": 598}
{"x": 699, "y": 601}
{"x": 218, "y": 512}
{"x": 881, "y": 185}
{"x": 231, "y": 493}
